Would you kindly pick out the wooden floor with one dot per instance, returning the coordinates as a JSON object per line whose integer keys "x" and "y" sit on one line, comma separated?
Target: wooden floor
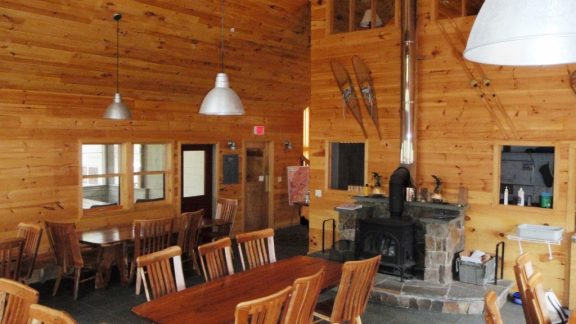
{"x": 113, "y": 305}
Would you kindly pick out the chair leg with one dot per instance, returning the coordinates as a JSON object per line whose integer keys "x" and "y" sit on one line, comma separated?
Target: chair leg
{"x": 58, "y": 280}
{"x": 138, "y": 282}
{"x": 77, "y": 272}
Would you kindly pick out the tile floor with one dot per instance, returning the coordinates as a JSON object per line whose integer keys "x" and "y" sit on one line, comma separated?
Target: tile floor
{"x": 112, "y": 305}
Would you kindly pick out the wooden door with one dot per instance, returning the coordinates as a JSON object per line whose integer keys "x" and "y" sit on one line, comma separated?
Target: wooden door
{"x": 196, "y": 178}
{"x": 256, "y": 184}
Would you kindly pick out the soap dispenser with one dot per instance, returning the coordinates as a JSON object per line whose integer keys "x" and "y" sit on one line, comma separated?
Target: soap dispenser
{"x": 521, "y": 197}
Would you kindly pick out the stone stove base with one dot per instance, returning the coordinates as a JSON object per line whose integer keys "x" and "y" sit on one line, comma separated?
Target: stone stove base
{"x": 455, "y": 298}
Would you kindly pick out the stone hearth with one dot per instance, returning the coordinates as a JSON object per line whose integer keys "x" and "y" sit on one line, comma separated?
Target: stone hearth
{"x": 456, "y": 297}
{"x": 439, "y": 232}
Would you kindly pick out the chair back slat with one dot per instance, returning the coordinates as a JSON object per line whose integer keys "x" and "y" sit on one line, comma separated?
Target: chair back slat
{"x": 216, "y": 259}
{"x": 188, "y": 230}
{"x": 152, "y": 235}
{"x": 354, "y": 289}
{"x": 537, "y": 300}
{"x": 265, "y": 310}
{"x": 32, "y": 233}
{"x": 523, "y": 270}
{"x": 15, "y": 301}
{"x": 491, "y": 309}
{"x": 11, "y": 257}
{"x": 65, "y": 244}
{"x": 40, "y": 314}
{"x": 256, "y": 248}
{"x": 305, "y": 292}
{"x": 156, "y": 272}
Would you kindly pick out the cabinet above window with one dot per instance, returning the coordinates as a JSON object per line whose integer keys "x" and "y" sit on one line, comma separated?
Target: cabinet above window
{"x": 354, "y": 15}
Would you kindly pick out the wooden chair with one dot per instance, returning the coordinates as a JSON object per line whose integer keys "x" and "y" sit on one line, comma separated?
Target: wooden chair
{"x": 70, "y": 258}
{"x": 40, "y": 314}
{"x": 305, "y": 292}
{"x": 523, "y": 270}
{"x": 156, "y": 272}
{"x": 10, "y": 257}
{"x": 353, "y": 292}
{"x": 257, "y": 248}
{"x": 150, "y": 235}
{"x": 188, "y": 232}
{"x": 537, "y": 300}
{"x": 32, "y": 233}
{"x": 265, "y": 310}
{"x": 216, "y": 259}
{"x": 491, "y": 309}
{"x": 226, "y": 210}
{"x": 16, "y": 300}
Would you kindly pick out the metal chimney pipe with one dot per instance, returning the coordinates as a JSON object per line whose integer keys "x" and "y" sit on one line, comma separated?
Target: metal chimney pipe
{"x": 408, "y": 87}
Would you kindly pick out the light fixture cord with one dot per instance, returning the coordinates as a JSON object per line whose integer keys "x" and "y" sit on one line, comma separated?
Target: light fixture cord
{"x": 118, "y": 55}
{"x": 222, "y": 36}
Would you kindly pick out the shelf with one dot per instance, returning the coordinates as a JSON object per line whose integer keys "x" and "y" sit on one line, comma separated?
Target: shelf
{"x": 520, "y": 239}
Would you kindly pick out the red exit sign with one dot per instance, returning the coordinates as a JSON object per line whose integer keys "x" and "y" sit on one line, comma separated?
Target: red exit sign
{"x": 259, "y": 130}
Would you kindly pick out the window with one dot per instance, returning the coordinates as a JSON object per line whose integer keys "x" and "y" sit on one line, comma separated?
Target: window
{"x": 100, "y": 175}
{"x": 108, "y": 181}
{"x": 458, "y": 8}
{"x": 149, "y": 172}
{"x": 527, "y": 171}
{"x": 346, "y": 165}
{"x": 353, "y": 15}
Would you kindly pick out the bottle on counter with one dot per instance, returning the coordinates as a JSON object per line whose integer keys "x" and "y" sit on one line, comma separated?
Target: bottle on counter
{"x": 367, "y": 190}
{"x": 520, "y": 197}
{"x": 506, "y": 195}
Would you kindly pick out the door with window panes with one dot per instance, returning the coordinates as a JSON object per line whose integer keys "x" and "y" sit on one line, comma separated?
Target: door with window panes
{"x": 196, "y": 178}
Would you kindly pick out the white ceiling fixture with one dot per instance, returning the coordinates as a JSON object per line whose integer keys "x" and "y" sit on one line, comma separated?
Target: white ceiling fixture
{"x": 524, "y": 33}
{"x": 117, "y": 110}
{"x": 222, "y": 100}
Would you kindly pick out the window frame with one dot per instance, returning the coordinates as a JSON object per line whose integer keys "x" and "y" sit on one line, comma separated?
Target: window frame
{"x": 126, "y": 177}
{"x": 164, "y": 172}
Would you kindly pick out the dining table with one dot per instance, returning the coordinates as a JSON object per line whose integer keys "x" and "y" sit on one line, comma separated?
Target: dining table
{"x": 114, "y": 240}
{"x": 214, "y": 302}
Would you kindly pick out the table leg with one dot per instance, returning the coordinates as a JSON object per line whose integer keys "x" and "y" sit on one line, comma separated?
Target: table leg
{"x": 111, "y": 255}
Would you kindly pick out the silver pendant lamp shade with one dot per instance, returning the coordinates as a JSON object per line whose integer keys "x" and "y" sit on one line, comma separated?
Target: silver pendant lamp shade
{"x": 117, "y": 110}
{"x": 524, "y": 33}
{"x": 222, "y": 100}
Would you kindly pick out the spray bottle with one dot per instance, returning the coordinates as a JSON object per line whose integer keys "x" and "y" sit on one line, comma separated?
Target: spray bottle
{"x": 521, "y": 197}
{"x": 506, "y": 195}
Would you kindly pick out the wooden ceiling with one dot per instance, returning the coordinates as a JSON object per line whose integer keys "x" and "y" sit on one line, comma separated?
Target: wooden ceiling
{"x": 168, "y": 48}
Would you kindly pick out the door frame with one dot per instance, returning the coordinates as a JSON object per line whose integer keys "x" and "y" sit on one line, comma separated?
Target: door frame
{"x": 215, "y": 172}
{"x": 269, "y": 179}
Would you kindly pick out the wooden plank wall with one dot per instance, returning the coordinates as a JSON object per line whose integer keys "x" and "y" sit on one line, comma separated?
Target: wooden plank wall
{"x": 57, "y": 76}
{"x": 459, "y": 127}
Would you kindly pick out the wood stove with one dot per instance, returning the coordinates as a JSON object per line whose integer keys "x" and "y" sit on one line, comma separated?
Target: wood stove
{"x": 392, "y": 238}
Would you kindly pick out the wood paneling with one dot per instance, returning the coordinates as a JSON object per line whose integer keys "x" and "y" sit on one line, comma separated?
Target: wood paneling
{"x": 57, "y": 76}
{"x": 458, "y": 127}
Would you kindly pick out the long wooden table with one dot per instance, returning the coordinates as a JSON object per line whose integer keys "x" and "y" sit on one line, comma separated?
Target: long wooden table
{"x": 215, "y": 301}
{"x": 113, "y": 243}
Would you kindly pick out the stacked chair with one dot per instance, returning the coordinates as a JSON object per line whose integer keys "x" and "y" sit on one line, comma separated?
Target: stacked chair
{"x": 530, "y": 285}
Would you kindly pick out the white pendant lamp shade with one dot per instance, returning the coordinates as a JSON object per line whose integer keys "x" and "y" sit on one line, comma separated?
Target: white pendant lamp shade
{"x": 524, "y": 33}
{"x": 117, "y": 110}
{"x": 222, "y": 100}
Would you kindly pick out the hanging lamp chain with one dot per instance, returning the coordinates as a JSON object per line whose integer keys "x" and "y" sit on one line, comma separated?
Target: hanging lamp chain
{"x": 222, "y": 36}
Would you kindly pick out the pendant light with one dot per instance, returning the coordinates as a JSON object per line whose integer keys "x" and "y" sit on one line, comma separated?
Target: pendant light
{"x": 117, "y": 110}
{"x": 222, "y": 100}
{"x": 523, "y": 33}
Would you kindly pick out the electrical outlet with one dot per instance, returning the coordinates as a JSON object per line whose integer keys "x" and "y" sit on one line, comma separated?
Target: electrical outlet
{"x": 318, "y": 193}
